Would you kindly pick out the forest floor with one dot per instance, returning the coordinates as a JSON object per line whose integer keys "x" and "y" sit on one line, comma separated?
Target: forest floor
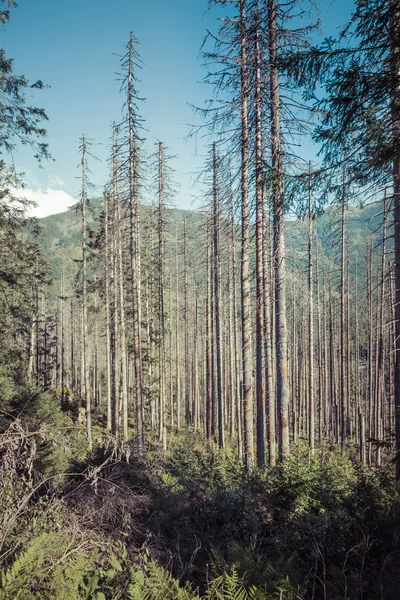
{"x": 188, "y": 524}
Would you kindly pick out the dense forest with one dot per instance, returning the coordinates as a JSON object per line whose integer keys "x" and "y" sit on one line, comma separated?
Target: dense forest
{"x": 206, "y": 403}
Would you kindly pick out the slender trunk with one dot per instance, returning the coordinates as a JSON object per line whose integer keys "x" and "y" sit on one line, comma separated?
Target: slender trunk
{"x": 85, "y": 362}
{"x": 260, "y": 390}
{"x": 311, "y": 410}
{"x": 208, "y": 344}
{"x": 246, "y": 324}
{"x": 62, "y": 342}
{"x": 121, "y": 291}
{"x": 135, "y": 250}
{"x": 186, "y": 325}
{"x": 107, "y": 307}
{"x": 72, "y": 346}
{"x": 321, "y": 399}
{"x": 343, "y": 388}
{"x": 217, "y": 299}
{"x": 395, "y": 36}
{"x": 370, "y": 345}
{"x": 177, "y": 341}
{"x": 380, "y": 339}
{"x": 162, "y": 374}
{"x": 269, "y": 379}
{"x": 114, "y": 338}
{"x": 238, "y": 386}
{"x": 279, "y": 240}
{"x": 231, "y": 351}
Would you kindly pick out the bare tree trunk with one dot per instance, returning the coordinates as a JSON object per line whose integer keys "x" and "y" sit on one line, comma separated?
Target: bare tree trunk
{"x": 85, "y": 362}
{"x": 395, "y": 100}
{"x": 260, "y": 390}
{"x": 246, "y": 324}
{"x": 186, "y": 325}
{"x": 217, "y": 299}
{"x": 231, "y": 351}
{"x": 343, "y": 387}
{"x": 209, "y": 342}
{"x": 311, "y": 409}
{"x": 122, "y": 329}
{"x": 360, "y": 426}
{"x": 195, "y": 360}
{"x": 321, "y": 396}
{"x": 370, "y": 345}
{"x": 269, "y": 379}
{"x": 380, "y": 338}
{"x": 114, "y": 338}
{"x": 135, "y": 251}
{"x": 107, "y": 307}
{"x": 62, "y": 341}
{"x": 171, "y": 355}
{"x": 72, "y": 347}
{"x": 279, "y": 241}
{"x": 391, "y": 344}
{"x": 162, "y": 375}
{"x": 177, "y": 341}
{"x": 32, "y": 342}
{"x": 238, "y": 400}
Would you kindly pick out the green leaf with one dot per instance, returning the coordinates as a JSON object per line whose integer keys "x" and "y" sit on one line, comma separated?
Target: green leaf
{"x": 116, "y": 564}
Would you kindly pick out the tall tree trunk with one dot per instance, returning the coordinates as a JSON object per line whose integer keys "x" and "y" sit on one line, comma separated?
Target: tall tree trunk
{"x": 343, "y": 366}
{"x": 269, "y": 377}
{"x": 370, "y": 346}
{"x": 238, "y": 359}
{"x": 72, "y": 347}
{"x": 246, "y": 323}
{"x": 209, "y": 342}
{"x": 395, "y": 101}
{"x": 186, "y": 325}
{"x": 217, "y": 298}
{"x": 279, "y": 240}
{"x": 380, "y": 338}
{"x": 321, "y": 395}
{"x": 162, "y": 372}
{"x": 114, "y": 338}
{"x": 135, "y": 249}
{"x": 311, "y": 410}
{"x": 260, "y": 390}
{"x": 85, "y": 362}
{"x": 177, "y": 340}
{"x": 121, "y": 290}
{"x": 107, "y": 307}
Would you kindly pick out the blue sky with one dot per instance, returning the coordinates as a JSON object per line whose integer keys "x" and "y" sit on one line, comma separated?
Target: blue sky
{"x": 72, "y": 45}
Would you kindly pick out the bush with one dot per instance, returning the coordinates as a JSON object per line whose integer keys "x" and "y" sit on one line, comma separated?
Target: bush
{"x": 190, "y": 525}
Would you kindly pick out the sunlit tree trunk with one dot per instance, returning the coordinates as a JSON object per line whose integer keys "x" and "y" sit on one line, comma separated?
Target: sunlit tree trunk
{"x": 85, "y": 362}
{"x": 279, "y": 240}
{"x": 245, "y": 280}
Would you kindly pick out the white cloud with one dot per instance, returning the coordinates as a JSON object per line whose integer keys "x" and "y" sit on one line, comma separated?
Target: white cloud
{"x": 49, "y": 201}
{"x": 56, "y": 182}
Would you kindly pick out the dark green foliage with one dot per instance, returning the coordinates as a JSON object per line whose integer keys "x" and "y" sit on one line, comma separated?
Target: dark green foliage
{"x": 355, "y": 72}
{"x": 22, "y": 270}
{"x": 194, "y": 526}
{"x": 58, "y": 440}
{"x": 314, "y": 522}
{"x": 19, "y": 122}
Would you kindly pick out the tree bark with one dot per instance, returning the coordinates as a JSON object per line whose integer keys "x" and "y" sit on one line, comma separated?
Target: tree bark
{"x": 245, "y": 280}
{"x": 279, "y": 241}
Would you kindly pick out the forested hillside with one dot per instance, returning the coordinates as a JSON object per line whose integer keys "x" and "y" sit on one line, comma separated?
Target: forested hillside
{"x": 205, "y": 404}
{"x": 60, "y": 237}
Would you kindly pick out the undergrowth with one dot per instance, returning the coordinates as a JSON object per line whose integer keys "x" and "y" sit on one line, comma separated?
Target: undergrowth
{"x": 190, "y": 524}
